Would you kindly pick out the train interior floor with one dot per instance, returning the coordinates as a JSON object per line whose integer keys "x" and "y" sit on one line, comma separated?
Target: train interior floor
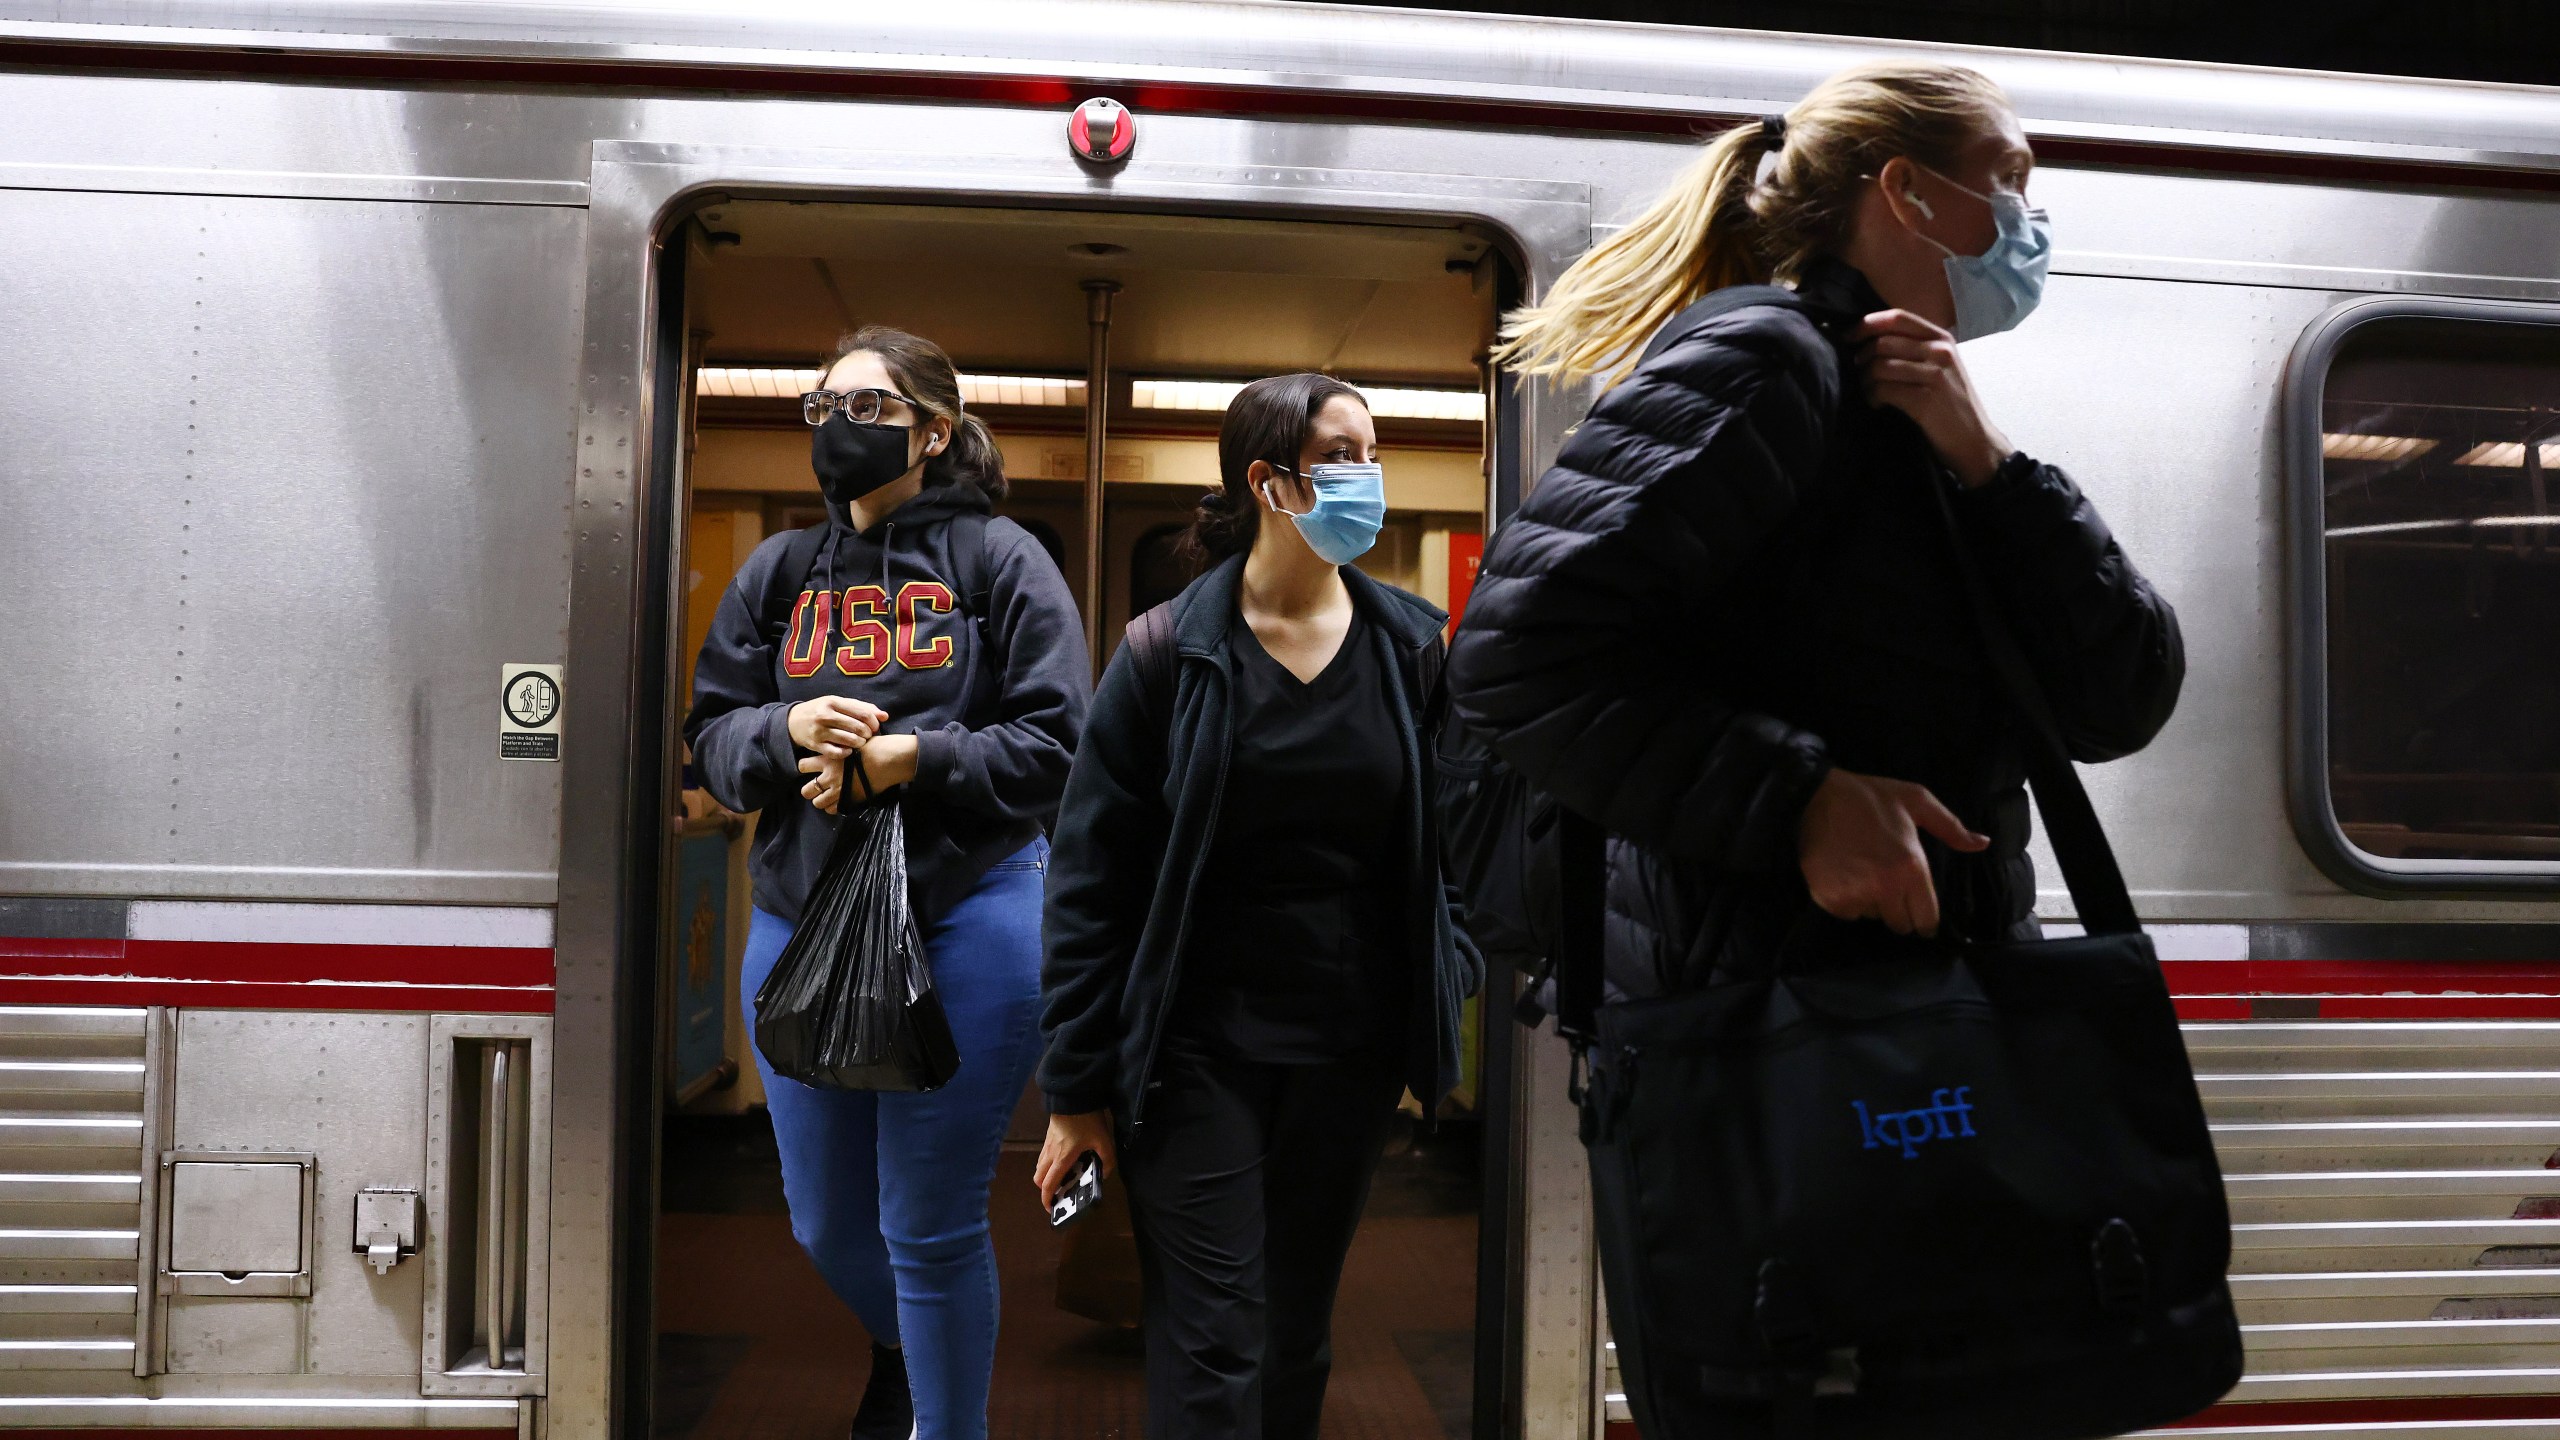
{"x": 751, "y": 1343}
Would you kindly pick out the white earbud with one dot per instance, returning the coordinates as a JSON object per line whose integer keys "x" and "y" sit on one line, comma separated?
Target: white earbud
{"x": 1922, "y": 205}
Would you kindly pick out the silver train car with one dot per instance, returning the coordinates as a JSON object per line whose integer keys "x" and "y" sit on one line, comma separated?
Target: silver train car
{"x": 389, "y": 386}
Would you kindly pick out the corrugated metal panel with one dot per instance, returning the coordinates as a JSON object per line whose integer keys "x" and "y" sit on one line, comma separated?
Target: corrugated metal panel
{"x": 2396, "y": 1216}
{"x": 71, "y": 1172}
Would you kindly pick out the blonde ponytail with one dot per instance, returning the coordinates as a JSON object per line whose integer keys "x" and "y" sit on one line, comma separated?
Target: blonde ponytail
{"x": 1695, "y": 238}
{"x": 1722, "y": 224}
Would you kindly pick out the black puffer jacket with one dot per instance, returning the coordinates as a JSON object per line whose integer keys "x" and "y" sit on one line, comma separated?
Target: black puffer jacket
{"x": 1734, "y": 578}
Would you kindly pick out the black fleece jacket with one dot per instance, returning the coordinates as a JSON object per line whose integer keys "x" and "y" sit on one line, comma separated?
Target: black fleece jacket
{"x": 1140, "y": 812}
{"x": 995, "y": 701}
{"x": 1734, "y": 578}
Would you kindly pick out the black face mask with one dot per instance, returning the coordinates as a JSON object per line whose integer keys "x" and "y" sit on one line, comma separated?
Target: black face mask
{"x": 853, "y": 460}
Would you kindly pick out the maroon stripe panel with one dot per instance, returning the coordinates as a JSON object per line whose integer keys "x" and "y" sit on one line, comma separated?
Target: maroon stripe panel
{"x": 2467, "y": 989}
{"x": 272, "y": 976}
{"x": 261, "y": 995}
{"x": 2389, "y": 1411}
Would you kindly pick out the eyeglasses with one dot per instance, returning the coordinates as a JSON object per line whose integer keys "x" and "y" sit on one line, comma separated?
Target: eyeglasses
{"x": 862, "y": 407}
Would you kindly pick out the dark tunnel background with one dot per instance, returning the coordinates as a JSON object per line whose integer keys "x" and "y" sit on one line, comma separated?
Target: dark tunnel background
{"x": 2498, "y": 40}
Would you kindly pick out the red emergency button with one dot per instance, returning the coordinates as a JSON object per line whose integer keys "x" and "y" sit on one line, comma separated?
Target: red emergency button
{"x": 1101, "y": 130}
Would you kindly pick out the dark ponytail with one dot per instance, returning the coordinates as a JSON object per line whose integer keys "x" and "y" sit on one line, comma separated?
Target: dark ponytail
{"x": 925, "y": 375}
{"x": 1267, "y": 421}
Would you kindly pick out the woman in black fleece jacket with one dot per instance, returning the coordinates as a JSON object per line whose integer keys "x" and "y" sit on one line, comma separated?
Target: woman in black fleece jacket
{"x": 1250, "y": 948}
{"x": 912, "y": 641}
{"x": 1724, "y": 625}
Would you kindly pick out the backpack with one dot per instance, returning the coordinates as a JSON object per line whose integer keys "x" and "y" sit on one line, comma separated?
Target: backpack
{"x": 1533, "y": 873}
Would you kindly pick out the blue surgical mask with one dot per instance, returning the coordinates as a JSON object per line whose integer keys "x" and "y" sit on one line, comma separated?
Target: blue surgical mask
{"x": 1996, "y": 289}
{"x": 1351, "y": 503}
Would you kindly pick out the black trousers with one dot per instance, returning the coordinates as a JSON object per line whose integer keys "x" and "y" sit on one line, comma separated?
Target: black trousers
{"x": 1245, "y": 1186}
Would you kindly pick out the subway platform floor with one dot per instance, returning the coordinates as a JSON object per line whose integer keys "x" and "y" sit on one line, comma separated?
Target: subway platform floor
{"x": 751, "y": 1345}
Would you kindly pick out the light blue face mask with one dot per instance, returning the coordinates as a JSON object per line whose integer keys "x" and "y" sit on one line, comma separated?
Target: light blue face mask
{"x": 1996, "y": 289}
{"x": 1351, "y": 503}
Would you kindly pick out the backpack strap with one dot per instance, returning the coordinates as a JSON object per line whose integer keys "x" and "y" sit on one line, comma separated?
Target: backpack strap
{"x": 969, "y": 560}
{"x": 782, "y": 589}
{"x": 1582, "y": 924}
{"x": 1431, "y": 668}
{"x": 1150, "y": 641}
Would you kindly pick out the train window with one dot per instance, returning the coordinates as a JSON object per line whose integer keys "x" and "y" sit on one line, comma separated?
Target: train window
{"x": 1157, "y": 568}
{"x": 2438, "y": 593}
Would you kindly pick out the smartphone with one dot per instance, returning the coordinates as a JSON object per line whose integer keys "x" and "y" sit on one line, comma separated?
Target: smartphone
{"x": 1082, "y": 1190}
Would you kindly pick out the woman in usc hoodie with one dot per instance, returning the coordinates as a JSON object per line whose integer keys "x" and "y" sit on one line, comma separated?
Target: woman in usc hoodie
{"x": 918, "y": 642}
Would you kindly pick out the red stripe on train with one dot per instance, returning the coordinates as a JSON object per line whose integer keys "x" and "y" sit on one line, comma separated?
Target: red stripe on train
{"x": 2364, "y": 989}
{"x": 266, "y": 995}
{"x": 281, "y": 963}
{"x": 2362, "y": 977}
{"x": 370, "y": 964}
{"x": 2329, "y": 1412}
{"x": 2369, "y": 1007}
{"x": 2373, "y": 1412}
{"x": 23, "y": 949}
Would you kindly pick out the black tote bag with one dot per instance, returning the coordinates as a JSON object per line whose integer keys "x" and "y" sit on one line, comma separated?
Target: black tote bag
{"x": 1970, "y": 1196}
{"x": 850, "y": 1003}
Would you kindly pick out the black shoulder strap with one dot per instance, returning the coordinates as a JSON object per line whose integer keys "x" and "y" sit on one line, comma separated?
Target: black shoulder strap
{"x": 969, "y": 560}
{"x": 1150, "y": 642}
{"x": 2079, "y": 842}
{"x": 1582, "y": 928}
{"x": 799, "y": 559}
{"x": 1431, "y": 668}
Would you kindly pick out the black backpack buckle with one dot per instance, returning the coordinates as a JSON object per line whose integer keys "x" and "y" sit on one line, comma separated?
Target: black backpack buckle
{"x": 1801, "y": 1368}
{"x": 2123, "y": 1273}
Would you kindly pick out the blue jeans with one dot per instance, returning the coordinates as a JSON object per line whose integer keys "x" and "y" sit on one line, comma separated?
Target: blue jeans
{"x": 888, "y": 1193}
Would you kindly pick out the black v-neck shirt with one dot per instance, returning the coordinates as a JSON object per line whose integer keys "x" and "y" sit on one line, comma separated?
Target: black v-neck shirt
{"x": 1297, "y": 954}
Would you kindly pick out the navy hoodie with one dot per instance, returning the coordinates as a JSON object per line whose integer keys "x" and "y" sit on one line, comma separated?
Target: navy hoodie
{"x": 995, "y": 701}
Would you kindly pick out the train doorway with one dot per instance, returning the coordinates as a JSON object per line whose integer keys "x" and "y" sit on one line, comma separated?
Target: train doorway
{"x": 744, "y": 1337}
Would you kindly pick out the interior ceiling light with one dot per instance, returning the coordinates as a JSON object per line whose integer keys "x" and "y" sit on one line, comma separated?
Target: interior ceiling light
{"x": 755, "y": 382}
{"x": 2507, "y": 455}
{"x": 1020, "y": 390}
{"x": 1385, "y": 401}
{"x": 2373, "y": 447}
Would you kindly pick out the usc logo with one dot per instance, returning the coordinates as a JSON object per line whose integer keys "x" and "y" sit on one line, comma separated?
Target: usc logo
{"x": 872, "y": 627}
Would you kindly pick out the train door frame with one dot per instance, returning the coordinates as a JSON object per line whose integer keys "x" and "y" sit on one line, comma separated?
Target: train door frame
{"x": 625, "y": 540}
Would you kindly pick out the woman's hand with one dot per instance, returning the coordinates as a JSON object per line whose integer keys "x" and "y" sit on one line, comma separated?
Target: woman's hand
{"x": 1912, "y": 365}
{"x": 1070, "y": 1136}
{"x": 887, "y": 760}
{"x": 834, "y": 725}
{"x": 827, "y": 790}
{"x": 1859, "y": 845}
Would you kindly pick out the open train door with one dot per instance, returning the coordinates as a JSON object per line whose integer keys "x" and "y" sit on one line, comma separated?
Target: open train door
{"x": 1536, "y": 1368}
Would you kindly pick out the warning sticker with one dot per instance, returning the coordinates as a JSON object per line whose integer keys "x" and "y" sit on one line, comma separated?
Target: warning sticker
{"x": 529, "y": 712}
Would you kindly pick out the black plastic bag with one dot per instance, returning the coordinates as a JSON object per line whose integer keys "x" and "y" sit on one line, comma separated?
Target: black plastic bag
{"x": 850, "y": 1004}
